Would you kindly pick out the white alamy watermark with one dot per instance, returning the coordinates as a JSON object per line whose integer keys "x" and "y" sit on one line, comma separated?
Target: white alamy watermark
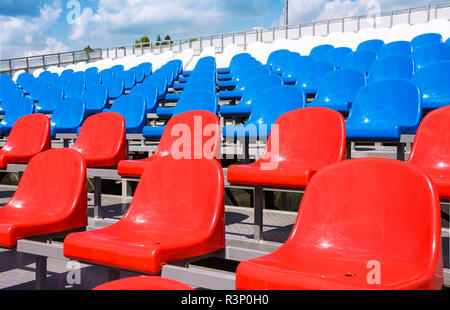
{"x": 374, "y": 275}
{"x": 73, "y": 16}
{"x": 74, "y": 275}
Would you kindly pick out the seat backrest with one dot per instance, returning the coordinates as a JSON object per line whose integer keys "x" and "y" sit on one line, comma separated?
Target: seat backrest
{"x": 382, "y": 209}
{"x": 29, "y": 135}
{"x": 272, "y": 102}
{"x": 102, "y": 140}
{"x": 96, "y": 98}
{"x": 150, "y": 94}
{"x": 319, "y": 51}
{"x": 70, "y": 112}
{"x": 359, "y": 60}
{"x": 128, "y": 77}
{"x": 425, "y": 38}
{"x": 394, "y": 48}
{"x": 133, "y": 108}
{"x": 314, "y": 136}
{"x": 197, "y": 100}
{"x": 395, "y": 102}
{"x": 117, "y": 69}
{"x": 312, "y": 73}
{"x": 199, "y": 130}
{"x": 17, "y": 108}
{"x": 200, "y": 84}
{"x": 430, "y": 53}
{"x": 106, "y": 75}
{"x": 74, "y": 89}
{"x": 274, "y": 55}
{"x": 371, "y": 45}
{"x": 181, "y": 196}
{"x": 392, "y": 67}
{"x": 115, "y": 87}
{"x": 202, "y": 74}
{"x": 250, "y": 72}
{"x": 340, "y": 86}
{"x": 257, "y": 84}
{"x": 431, "y": 146}
{"x": 336, "y": 55}
{"x": 433, "y": 81}
{"x": 148, "y": 67}
{"x": 281, "y": 60}
{"x": 53, "y": 185}
{"x": 294, "y": 64}
{"x": 159, "y": 80}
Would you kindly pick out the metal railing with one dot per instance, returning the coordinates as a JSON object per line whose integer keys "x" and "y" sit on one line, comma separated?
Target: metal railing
{"x": 241, "y": 38}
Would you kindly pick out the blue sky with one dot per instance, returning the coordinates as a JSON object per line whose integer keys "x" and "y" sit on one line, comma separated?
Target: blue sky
{"x": 32, "y": 27}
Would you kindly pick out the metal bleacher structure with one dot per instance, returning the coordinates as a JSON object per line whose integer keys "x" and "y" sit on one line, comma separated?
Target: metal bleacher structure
{"x": 138, "y": 95}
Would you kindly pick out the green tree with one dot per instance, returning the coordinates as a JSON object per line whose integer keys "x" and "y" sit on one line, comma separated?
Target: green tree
{"x": 143, "y": 42}
{"x": 168, "y": 40}
{"x": 158, "y": 40}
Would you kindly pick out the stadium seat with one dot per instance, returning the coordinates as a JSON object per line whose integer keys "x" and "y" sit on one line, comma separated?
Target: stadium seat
{"x": 319, "y": 51}
{"x": 240, "y": 81}
{"x": 359, "y": 60}
{"x": 51, "y": 197}
{"x": 337, "y": 55}
{"x": 337, "y": 90}
{"x": 16, "y": 108}
{"x": 252, "y": 88}
{"x": 293, "y": 66}
{"x": 431, "y": 149}
{"x": 395, "y": 48}
{"x": 133, "y": 108}
{"x": 193, "y": 85}
{"x": 66, "y": 75}
{"x": 281, "y": 61}
{"x": 139, "y": 74}
{"x": 430, "y": 53}
{"x": 310, "y": 75}
{"x": 128, "y": 77}
{"x": 102, "y": 140}
{"x": 346, "y": 231}
{"x": 147, "y": 67}
{"x": 49, "y": 103}
{"x": 115, "y": 87}
{"x": 74, "y": 89}
{"x": 209, "y": 125}
{"x": 117, "y": 69}
{"x": 92, "y": 77}
{"x": 391, "y": 67}
{"x": 196, "y": 100}
{"x": 197, "y": 75}
{"x": 145, "y": 239}
{"x": 274, "y": 55}
{"x": 425, "y": 38}
{"x": 105, "y": 75}
{"x": 148, "y": 283}
{"x": 267, "y": 106}
{"x": 433, "y": 81}
{"x": 371, "y": 45}
{"x": 159, "y": 80}
{"x": 29, "y": 136}
{"x": 79, "y": 75}
{"x": 150, "y": 93}
{"x": 96, "y": 98}
{"x": 68, "y": 116}
{"x": 308, "y": 140}
{"x": 399, "y": 113}
{"x": 234, "y": 60}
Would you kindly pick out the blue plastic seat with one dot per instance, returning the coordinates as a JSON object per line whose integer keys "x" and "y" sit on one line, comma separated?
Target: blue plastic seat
{"x": 425, "y": 38}
{"x": 195, "y": 84}
{"x": 282, "y": 60}
{"x": 395, "y": 48}
{"x": 430, "y": 53}
{"x": 448, "y": 41}
{"x": 115, "y": 88}
{"x": 11, "y": 97}
{"x": 128, "y": 77}
{"x": 117, "y": 69}
{"x": 17, "y": 108}
{"x": 385, "y": 110}
{"x": 391, "y": 67}
{"x": 337, "y": 90}
{"x": 236, "y": 58}
{"x": 45, "y": 76}
{"x": 241, "y": 81}
{"x": 106, "y": 75}
{"x": 66, "y": 75}
{"x": 371, "y": 45}
{"x": 139, "y": 74}
{"x": 196, "y": 100}
{"x": 318, "y": 52}
{"x": 92, "y": 77}
{"x": 96, "y": 98}
{"x": 79, "y": 75}
{"x": 132, "y": 108}
{"x": 197, "y": 75}
{"x": 434, "y": 83}
{"x": 158, "y": 80}
{"x": 147, "y": 67}
{"x": 268, "y": 105}
{"x": 293, "y": 66}
{"x": 310, "y": 75}
{"x": 238, "y": 67}
{"x": 337, "y": 55}
{"x": 68, "y": 116}
{"x": 74, "y": 89}
{"x": 38, "y": 90}
{"x": 252, "y": 88}
{"x": 25, "y": 80}
{"x": 150, "y": 94}
{"x": 243, "y": 75}
{"x": 360, "y": 60}
{"x": 52, "y": 98}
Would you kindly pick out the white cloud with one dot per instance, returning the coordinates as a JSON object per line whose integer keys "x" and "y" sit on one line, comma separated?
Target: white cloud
{"x": 26, "y": 35}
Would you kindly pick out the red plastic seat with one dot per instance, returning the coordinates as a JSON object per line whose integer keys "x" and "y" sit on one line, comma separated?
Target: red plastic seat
{"x": 29, "y": 136}
{"x": 431, "y": 149}
{"x": 143, "y": 284}
{"x": 51, "y": 197}
{"x": 202, "y": 124}
{"x": 353, "y": 214}
{"x": 177, "y": 212}
{"x": 309, "y": 139}
{"x": 102, "y": 140}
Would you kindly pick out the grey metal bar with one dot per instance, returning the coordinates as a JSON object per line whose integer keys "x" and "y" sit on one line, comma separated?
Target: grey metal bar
{"x": 98, "y": 197}
{"x": 41, "y": 272}
{"x": 258, "y": 215}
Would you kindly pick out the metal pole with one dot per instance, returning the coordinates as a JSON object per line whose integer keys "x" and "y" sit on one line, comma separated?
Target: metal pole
{"x": 286, "y": 12}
